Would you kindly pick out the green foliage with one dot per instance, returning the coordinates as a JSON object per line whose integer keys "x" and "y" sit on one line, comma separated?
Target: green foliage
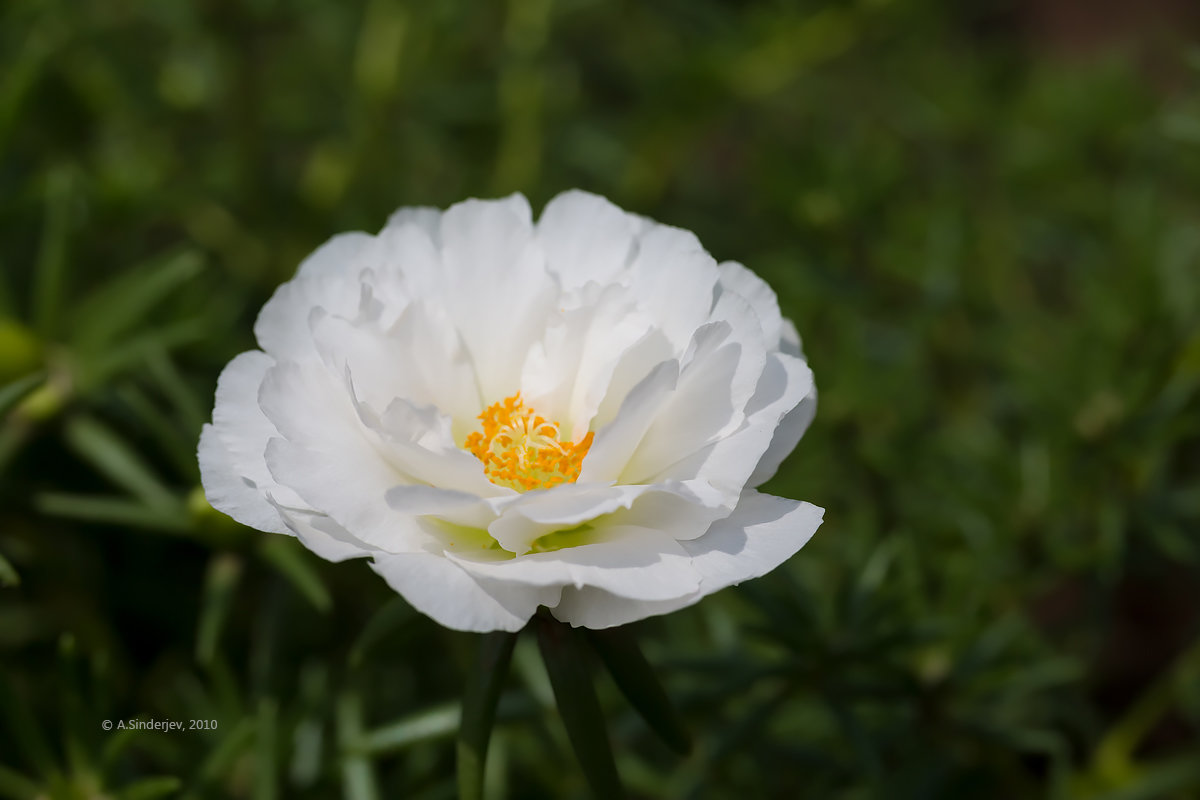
{"x": 990, "y": 248}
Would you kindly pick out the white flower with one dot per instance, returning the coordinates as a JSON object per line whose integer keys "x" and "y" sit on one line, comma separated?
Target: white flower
{"x": 505, "y": 415}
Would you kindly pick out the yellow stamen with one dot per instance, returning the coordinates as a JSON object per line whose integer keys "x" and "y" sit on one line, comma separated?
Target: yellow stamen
{"x": 521, "y": 450}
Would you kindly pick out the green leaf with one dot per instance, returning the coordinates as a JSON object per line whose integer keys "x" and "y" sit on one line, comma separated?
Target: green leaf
{"x": 8, "y": 306}
{"x": 293, "y": 562}
{"x": 117, "y": 461}
{"x": 150, "y": 788}
{"x": 496, "y": 770}
{"x": 21, "y": 352}
{"x": 8, "y": 573}
{"x": 15, "y": 786}
{"x": 479, "y": 710}
{"x": 70, "y": 687}
{"x": 265, "y": 769}
{"x": 433, "y": 723}
{"x": 220, "y": 584}
{"x": 166, "y": 375}
{"x": 393, "y": 615}
{"x": 1114, "y": 754}
{"x": 1174, "y": 777}
{"x": 124, "y": 301}
{"x": 26, "y": 731}
{"x": 222, "y": 758}
{"x": 14, "y": 392}
{"x": 175, "y": 440}
{"x": 306, "y": 761}
{"x": 110, "y": 511}
{"x": 50, "y": 272}
{"x": 867, "y": 762}
{"x": 20, "y": 76}
{"x": 96, "y": 371}
{"x": 567, "y": 665}
{"x": 634, "y": 676}
{"x": 358, "y": 775}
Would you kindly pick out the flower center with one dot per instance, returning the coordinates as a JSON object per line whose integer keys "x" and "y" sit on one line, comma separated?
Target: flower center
{"x": 523, "y": 451}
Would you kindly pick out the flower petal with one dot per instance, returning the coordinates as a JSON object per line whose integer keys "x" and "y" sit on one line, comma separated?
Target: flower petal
{"x": 632, "y": 562}
{"x": 586, "y": 238}
{"x": 679, "y": 509}
{"x": 755, "y": 291}
{"x": 708, "y": 403}
{"x": 449, "y": 505}
{"x": 787, "y": 434}
{"x": 233, "y": 468}
{"x": 430, "y": 366}
{"x": 320, "y": 534}
{"x": 760, "y": 535}
{"x": 357, "y": 503}
{"x": 330, "y": 459}
{"x": 615, "y": 442}
{"x": 497, "y": 289}
{"x": 339, "y": 257}
{"x": 441, "y": 589}
{"x": 230, "y": 492}
{"x": 417, "y": 442}
{"x": 425, "y": 218}
{"x": 728, "y": 463}
{"x": 568, "y": 371}
{"x": 566, "y": 506}
{"x": 673, "y": 278}
{"x": 326, "y": 279}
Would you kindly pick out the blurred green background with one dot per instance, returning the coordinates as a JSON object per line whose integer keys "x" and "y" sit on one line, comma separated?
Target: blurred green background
{"x": 983, "y": 217}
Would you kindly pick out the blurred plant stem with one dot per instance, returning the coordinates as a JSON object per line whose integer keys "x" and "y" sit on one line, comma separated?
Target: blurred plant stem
{"x": 574, "y": 694}
{"x": 486, "y": 678}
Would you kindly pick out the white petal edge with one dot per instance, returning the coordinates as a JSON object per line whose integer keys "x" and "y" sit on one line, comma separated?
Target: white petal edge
{"x": 228, "y": 491}
{"x": 439, "y": 588}
{"x": 787, "y": 435}
{"x": 586, "y": 238}
{"x": 328, "y": 279}
{"x": 762, "y": 533}
{"x": 231, "y": 452}
{"x": 320, "y": 534}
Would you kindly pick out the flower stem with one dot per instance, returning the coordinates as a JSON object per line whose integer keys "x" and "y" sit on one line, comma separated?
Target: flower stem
{"x": 567, "y": 665}
{"x": 479, "y": 710}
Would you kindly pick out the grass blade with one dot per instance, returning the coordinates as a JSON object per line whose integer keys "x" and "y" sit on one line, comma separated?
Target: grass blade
{"x": 220, "y": 584}
{"x": 111, "y": 511}
{"x": 175, "y": 441}
{"x": 434, "y": 723}
{"x": 121, "y": 303}
{"x": 292, "y": 562}
{"x": 150, "y": 788}
{"x": 395, "y": 614}
{"x": 265, "y": 770}
{"x": 15, "y": 786}
{"x": 8, "y": 573}
{"x": 358, "y": 775}
{"x": 100, "y": 446}
{"x": 50, "y": 272}
{"x": 27, "y": 731}
{"x": 223, "y": 757}
{"x": 100, "y": 369}
{"x": 636, "y": 679}
{"x": 15, "y": 392}
{"x": 176, "y": 390}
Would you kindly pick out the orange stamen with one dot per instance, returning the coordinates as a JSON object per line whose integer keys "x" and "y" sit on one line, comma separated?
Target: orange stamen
{"x": 521, "y": 450}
